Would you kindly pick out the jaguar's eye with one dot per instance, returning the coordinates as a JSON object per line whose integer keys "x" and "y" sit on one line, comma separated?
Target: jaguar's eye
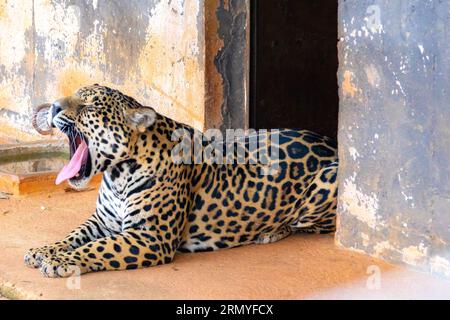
{"x": 90, "y": 107}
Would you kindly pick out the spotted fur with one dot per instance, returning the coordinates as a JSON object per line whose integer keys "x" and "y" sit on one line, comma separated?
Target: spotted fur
{"x": 150, "y": 207}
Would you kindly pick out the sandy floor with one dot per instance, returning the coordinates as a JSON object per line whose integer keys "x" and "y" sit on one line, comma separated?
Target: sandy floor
{"x": 299, "y": 267}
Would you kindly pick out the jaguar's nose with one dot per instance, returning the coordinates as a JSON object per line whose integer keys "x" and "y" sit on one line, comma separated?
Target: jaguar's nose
{"x": 54, "y": 110}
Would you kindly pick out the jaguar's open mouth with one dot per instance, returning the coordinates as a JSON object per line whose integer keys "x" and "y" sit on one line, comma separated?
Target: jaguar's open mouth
{"x": 80, "y": 165}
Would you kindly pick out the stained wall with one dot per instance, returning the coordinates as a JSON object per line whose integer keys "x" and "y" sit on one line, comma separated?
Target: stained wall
{"x": 394, "y": 133}
{"x": 153, "y": 50}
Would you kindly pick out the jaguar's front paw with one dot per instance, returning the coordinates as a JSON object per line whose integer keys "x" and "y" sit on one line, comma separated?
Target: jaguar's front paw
{"x": 60, "y": 266}
{"x": 33, "y": 258}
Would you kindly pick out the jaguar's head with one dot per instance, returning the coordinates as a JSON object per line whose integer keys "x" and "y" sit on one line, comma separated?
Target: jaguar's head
{"x": 100, "y": 124}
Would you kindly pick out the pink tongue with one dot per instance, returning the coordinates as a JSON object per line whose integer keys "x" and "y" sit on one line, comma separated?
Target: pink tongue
{"x": 71, "y": 169}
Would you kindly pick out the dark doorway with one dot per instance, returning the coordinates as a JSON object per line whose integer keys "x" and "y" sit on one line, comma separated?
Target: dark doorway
{"x": 294, "y": 61}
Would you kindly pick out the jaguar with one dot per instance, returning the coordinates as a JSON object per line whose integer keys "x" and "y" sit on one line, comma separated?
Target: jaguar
{"x": 152, "y": 206}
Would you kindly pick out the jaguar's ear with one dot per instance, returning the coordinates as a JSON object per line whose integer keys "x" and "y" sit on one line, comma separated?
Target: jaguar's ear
{"x": 140, "y": 118}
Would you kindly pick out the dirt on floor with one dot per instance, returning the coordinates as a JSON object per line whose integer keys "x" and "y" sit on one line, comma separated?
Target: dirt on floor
{"x": 299, "y": 267}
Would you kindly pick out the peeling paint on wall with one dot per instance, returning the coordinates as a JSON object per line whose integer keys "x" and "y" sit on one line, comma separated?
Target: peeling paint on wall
{"x": 153, "y": 50}
{"x": 373, "y": 77}
{"x": 380, "y": 248}
{"x": 214, "y": 80}
{"x": 232, "y": 61}
{"x": 394, "y": 135}
{"x": 415, "y": 255}
{"x": 15, "y": 59}
{"x": 348, "y": 88}
{"x": 363, "y": 206}
{"x": 440, "y": 265}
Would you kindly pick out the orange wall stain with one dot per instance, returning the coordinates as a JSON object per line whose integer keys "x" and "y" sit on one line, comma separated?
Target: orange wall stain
{"x": 348, "y": 88}
{"x": 71, "y": 80}
{"x": 2, "y": 8}
{"x": 4, "y": 99}
{"x": 213, "y": 79}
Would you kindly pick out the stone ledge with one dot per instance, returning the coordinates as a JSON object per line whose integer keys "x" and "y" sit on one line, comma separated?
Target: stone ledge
{"x": 27, "y": 179}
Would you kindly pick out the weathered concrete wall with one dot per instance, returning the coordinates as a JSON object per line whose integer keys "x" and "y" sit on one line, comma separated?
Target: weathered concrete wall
{"x": 153, "y": 50}
{"x": 394, "y": 132}
{"x": 227, "y": 63}
{"x": 16, "y": 63}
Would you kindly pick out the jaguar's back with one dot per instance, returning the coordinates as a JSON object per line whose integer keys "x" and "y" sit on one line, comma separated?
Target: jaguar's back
{"x": 236, "y": 204}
